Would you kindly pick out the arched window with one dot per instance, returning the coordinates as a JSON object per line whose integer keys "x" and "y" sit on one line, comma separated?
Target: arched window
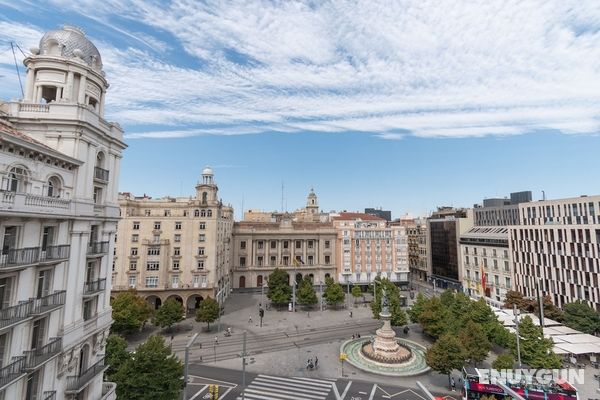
{"x": 204, "y": 197}
{"x": 53, "y": 187}
{"x": 15, "y": 182}
{"x": 196, "y": 213}
{"x": 203, "y": 213}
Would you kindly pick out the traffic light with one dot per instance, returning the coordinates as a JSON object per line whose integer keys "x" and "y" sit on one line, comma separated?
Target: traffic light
{"x": 261, "y": 312}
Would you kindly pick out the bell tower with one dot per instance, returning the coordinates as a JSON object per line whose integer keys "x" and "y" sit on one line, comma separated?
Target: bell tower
{"x": 206, "y": 189}
{"x": 312, "y": 205}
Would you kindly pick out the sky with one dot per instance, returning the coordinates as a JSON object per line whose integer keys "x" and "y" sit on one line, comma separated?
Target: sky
{"x": 405, "y": 105}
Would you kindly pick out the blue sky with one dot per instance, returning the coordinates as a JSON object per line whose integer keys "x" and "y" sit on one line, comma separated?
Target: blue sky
{"x": 405, "y": 105}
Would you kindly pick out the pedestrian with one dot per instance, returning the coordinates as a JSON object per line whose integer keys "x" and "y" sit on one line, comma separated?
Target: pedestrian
{"x": 353, "y": 336}
{"x": 350, "y": 313}
{"x": 250, "y": 319}
{"x": 453, "y": 384}
{"x": 316, "y": 362}
{"x": 216, "y": 340}
{"x": 358, "y": 335}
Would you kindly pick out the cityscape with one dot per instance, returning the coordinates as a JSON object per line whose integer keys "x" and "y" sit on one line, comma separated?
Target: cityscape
{"x": 175, "y": 224}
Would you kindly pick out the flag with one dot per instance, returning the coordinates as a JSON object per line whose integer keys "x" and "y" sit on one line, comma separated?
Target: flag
{"x": 297, "y": 261}
{"x": 482, "y": 272}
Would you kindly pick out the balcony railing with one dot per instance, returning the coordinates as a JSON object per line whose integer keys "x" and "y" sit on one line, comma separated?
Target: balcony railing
{"x": 97, "y": 248}
{"x": 36, "y": 357}
{"x": 12, "y": 371}
{"x": 94, "y": 287}
{"x": 14, "y": 314}
{"x": 16, "y": 257}
{"x": 78, "y": 382}
{"x": 101, "y": 174}
{"x": 56, "y": 252}
{"x": 49, "y": 302}
{"x": 50, "y": 395}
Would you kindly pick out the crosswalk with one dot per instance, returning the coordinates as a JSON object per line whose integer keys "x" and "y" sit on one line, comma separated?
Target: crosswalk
{"x": 266, "y": 387}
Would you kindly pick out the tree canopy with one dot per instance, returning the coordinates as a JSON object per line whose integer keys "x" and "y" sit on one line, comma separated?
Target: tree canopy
{"x": 416, "y": 309}
{"x": 116, "y": 354}
{"x": 208, "y": 311}
{"x": 356, "y": 292}
{"x": 334, "y": 293}
{"x": 306, "y": 292}
{"x": 532, "y": 305}
{"x": 129, "y": 312}
{"x": 580, "y": 316}
{"x": 446, "y": 355}
{"x": 536, "y": 350}
{"x": 169, "y": 314}
{"x": 152, "y": 373}
{"x": 280, "y": 291}
{"x": 504, "y": 361}
{"x": 475, "y": 342}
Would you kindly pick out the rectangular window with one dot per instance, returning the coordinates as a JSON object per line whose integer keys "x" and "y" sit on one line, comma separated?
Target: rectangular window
{"x": 152, "y": 281}
{"x": 200, "y": 264}
{"x": 273, "y": 244}
{"x": 259, "y": 261}
{"x": 286, "y": 244}
{"x": 167, "y": 213}
{"x": 327, "y": 244}
{"x": 242, "y": 261}
{"x": 202, "y": 238}
{"x": 176, "y": 251}
{"x": 327, "y": 260}
{"x": 310, "y": 244}
{"x": 177, "y": 238}
{"x": 157, "y": 225}
{"x": 176, "y": 265}
{"x": 97, "y": 195}
{"x": 177, "y": 225}
{"x": 243, "y": 244}
{"x": 200, "y": 251}
{"x": 310, "y": 260}
{"x": 134, "y": 251}
{"x": 202, "y": 226}
{"x": 135, "y": 238}
{"x": 89, "y": 309}
{"x": 196, "y": 280}
{"x": 133, "y": 266}
{"x": 174, "y": 281}
{"x": 298, "y": 244}
{"x": 136, "y": 225}
{"x": 259, "y": 244}
{"x": 154, "y": 251}
{"x": 47, "y": 237}
{"x": 152, "y": 266}
{"x": 507, "y": 282}
{"x": 156, "y": 238}
{"x": 132, "y": 281}
{"x": 147, "y": 213}
{"x": 44, "y": 283}
{"x": 273, "y": 261}
{"x": 286, "y": 260}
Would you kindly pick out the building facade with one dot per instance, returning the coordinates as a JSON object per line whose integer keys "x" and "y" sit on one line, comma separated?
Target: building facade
{"x": 175, "y": 248}
{"x": 59, "y": 167}
{"x": 417, "y": 250}
{"x": 556, "y": 248}
{"x": 260, "y": 247}
{"x": 444, "y": 258}
{"x": 367, "y": 247}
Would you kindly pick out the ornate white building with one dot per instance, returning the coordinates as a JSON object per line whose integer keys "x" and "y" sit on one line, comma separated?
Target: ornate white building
{"x": 59, "y": 169}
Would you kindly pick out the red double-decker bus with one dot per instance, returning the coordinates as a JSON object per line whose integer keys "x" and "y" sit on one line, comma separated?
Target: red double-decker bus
{"x": 476, "y": 385}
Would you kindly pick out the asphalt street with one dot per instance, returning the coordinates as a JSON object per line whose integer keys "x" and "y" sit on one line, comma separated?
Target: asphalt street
{"x": 273, "y": 387}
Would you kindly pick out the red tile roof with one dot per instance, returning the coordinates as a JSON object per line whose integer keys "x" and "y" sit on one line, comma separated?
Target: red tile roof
{"x": 353, "y": 216}
{"x": 6, "y": 128}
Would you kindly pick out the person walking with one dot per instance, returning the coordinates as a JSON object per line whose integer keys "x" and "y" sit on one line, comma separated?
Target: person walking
{"x": 350, "y": 313}
{"x": 316, "y": 362}
{"x": 453, "y": 384}
{"x": 250, "y": 319}
{"x": 216, "y": 340}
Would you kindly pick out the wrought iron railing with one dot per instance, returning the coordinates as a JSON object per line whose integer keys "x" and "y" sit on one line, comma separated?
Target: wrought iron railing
{"x": 49, "y": 395}
{"x": 15, "y": 257}
{"x": 34, "y": 358}
{"x": 78, "y": 382}
{"x": 10, "y": 315}
{"x": 11, "y": 371}
{"x": 56, "y": 252}
{"x": 97, "y": 248}
{"x": 94, "y": 286}
{"x": 101, "y": 174}
{"x": 48, "y": 302}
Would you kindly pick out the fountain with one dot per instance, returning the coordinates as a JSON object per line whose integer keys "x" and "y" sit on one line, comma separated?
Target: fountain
{"x": 384, "y": 353}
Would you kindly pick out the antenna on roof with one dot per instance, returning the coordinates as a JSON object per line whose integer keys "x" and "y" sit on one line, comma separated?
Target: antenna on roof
{"x": 282, "y": 195}
{"x": 12, "y": 47}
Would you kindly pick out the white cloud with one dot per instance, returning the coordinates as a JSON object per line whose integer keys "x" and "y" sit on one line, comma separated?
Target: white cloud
{"x": 421, "y": 67}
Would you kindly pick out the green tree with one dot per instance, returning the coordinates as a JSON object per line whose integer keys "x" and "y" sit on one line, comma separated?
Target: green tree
{"x": 399, "y": 317}
{"x": 356, "y": 292}
{"x": 208, "y": 311}
{"x": 116, "y": 354}
{"x": 334, "y": 293}
{"x": 129, "y": 312}
{"x": 580, "y": 316}
{"x": 280, "y": 291}
{"x": 306, "y": 293}
{"x": 417, "y": 308}
{"x": 446, "y": 355}
{"x": 152, "y": 373}
{"x": 504, "y": 361}
{"x": 475, "y": 342}
{"x": 536, "y": 350}
{"x": 516, "y": 298}
{"x": 435, "y": 318}
{"x": 550, "y": 310}
{"x": 169, "y": 314}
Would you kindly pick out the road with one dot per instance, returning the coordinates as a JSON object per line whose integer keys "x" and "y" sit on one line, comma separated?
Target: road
{"x": 230, "y": 347}
{"x": 270, "y": 387}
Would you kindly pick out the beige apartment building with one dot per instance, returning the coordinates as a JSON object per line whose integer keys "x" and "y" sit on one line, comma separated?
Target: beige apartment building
{"x": 417, "y": 249}
{"x": 268, "y": 240}
{"x": 367, "y": 247}
{"x": 175, "y": 247}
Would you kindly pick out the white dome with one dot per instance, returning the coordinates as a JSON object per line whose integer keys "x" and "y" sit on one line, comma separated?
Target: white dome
{"x": 207, "y": 171}
{"x": 74, "y": 44}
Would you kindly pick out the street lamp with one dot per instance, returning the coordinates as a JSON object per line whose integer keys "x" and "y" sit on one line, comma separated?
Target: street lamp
{"x": 321, "y": 290}
{"x": 516, "y": 313}
{"x": 187, "y": 360}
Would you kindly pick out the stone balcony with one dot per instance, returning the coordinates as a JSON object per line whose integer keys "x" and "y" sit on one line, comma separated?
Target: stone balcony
{"x": 31, "y": 203}
{"x": 15, "y": 259}
{"x": 97, "y": 249}
{"x": 37, "y": 357}
{"x": 109, "y": 391}
{"x": 94, "y": 287}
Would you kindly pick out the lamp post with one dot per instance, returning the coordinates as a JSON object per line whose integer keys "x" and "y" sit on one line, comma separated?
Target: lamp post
{"x": 516, "y": 313}
{"x": 187, "y": 360}
{"x": 321, "y": 290}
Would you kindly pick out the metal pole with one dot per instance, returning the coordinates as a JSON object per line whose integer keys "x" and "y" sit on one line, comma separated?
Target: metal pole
{"x": 219, "y": 320}
{"x": 187, "y": 360}
{"x": 321, "y": 290}
{"x": 374, "y": 291}
{"x": 294, "y": 291}
{"x": 262, "y": 294}
{"x": 348, "y": 294}
{"x": 516, "y": 313}
{"x": 244, "y": 367}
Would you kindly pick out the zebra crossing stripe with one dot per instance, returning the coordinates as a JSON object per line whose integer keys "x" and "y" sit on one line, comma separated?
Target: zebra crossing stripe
{"x": 280, "y": 394}
{"x": 324, "y": 385}
{"x": 293, "y": 386}
{"x": 267, "y": 387}
{"x": 278, "y": 386}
